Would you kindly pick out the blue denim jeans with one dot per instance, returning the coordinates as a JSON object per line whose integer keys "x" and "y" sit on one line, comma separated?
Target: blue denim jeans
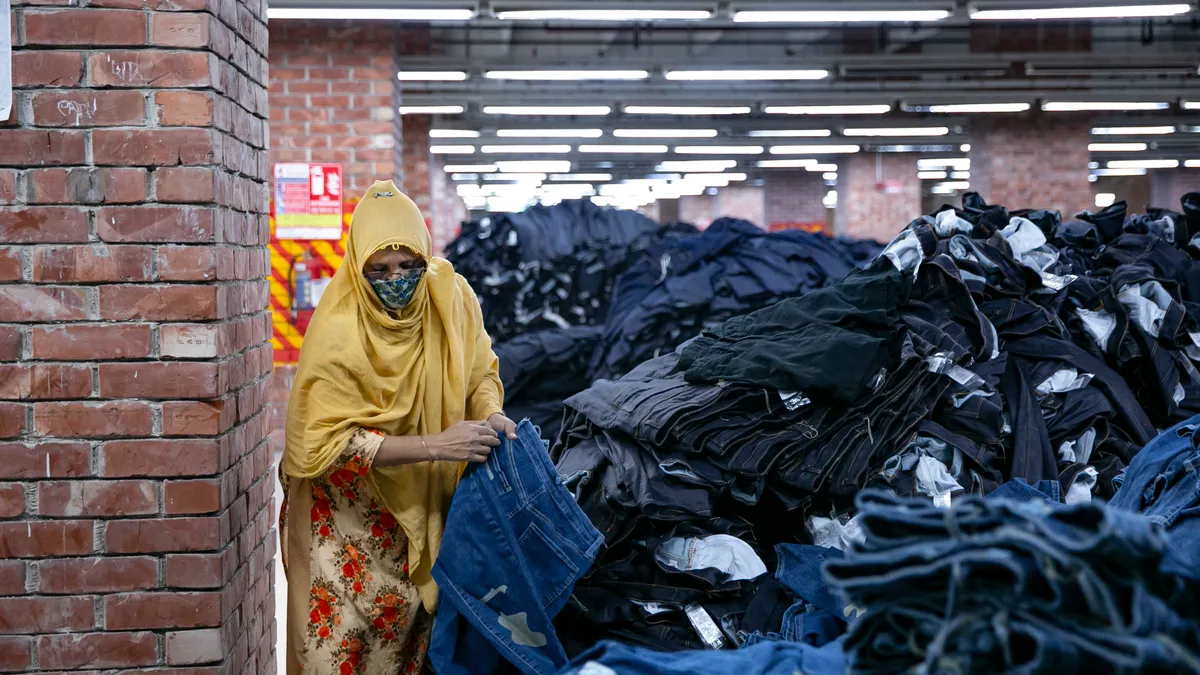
{"x": 515, "y": 544}
{"x": 763, "y": 657}
{"x": 1018, "y": 489}
{"x": 1163, "y": 483}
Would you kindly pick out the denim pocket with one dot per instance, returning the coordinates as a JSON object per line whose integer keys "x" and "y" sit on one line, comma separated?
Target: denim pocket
{"x": 550, "y": 568}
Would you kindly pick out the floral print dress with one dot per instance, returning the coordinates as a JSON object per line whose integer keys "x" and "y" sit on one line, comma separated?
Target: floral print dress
{"x": 364, "y": 614}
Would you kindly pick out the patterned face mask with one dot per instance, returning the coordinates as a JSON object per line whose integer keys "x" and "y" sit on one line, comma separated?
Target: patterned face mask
{"x": 395, "y": 294}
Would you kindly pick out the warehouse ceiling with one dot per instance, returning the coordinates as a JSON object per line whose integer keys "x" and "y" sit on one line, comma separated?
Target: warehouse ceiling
{"x": 622, "y": 87}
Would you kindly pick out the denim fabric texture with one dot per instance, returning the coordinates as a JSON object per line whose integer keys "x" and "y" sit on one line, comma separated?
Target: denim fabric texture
{"x": 768, "y": 657}
{"x": 516, "y": 545}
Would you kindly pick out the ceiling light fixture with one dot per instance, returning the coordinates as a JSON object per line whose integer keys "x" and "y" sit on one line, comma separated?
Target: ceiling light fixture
{"x": 380, "y": 14}
{"x": 898, "y": 131}
{"x": 453, "y": 133}
{"x": 469, "y": 168}
{"x": 874, "y": 109}
{"x": 786, "y": 163}
{"x": 1192, "y": 164}
{"x": 549, "y": 133}
{"x": 566, "y": 75}
{"x": 1102, "y": 106}
{"x": 821, "y": 168}
{"x": 583, "y": 177}
{"x": 431, "y": 109}
{"x": 1119, "y": 172}
{"x": 727, "y": 177}
{"x": 956, "y": 185}
{"x": 964, "y": 108}
{"x": 1133, "y": 131}
{"x": 605, "y": 15}
{"x": 744, "y": 75}
{"x": 697, "y": 166}
{"x": 525, "y": 149}
{"x": 1190, "y": 105}
{"x": 931, "y": 175}
{"x": 534, "y": 166}
{"x": 790, "y": 133}
{"x": 719, "y": 149}
{"x": 1061, "y": 13}
{"x": 452, "y": 149}
{"x": 431, "y": 76}
{"x": 814, "y": 149}
{"x": 839, "y": 16}
{"x": 829, "y": 175}
{"x": 955, "y": 163}
{"x": 1143, "y": 164}
{"x": 625, "y": 149}
{"x": 664, "y": 133}
{"x": 548, "y": 110}
{"x": 686, "y": 110}
{"x": 1117, "y": 147}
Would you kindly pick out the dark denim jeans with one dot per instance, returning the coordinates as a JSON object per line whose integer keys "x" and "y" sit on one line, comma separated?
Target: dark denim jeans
{"x": 515, "y": 544}
{"x": 1163, "y": 482}
{"x": 767, "y": 657}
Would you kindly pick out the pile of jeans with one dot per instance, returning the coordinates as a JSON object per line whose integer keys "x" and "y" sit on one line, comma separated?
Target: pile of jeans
{"x": 997, "y": 586}
{"x": 551, "y": 266}
{"x": 542, "y": 368}
{"x": 981, "y": 346}
{"x": 685, "y": 285}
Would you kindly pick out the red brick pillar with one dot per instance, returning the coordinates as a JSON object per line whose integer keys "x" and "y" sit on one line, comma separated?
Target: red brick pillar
{"x": 1168, "y": 186}
{"x": 1037, "y": 161}
{"x": 795, "y": 197}
{"x": 878, "y": 195}
{"x": 135, "y": 484}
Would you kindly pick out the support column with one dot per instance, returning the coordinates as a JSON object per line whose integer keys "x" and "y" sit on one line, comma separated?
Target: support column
{"x": 136, "y": 525}
{"x": 1168, "y": 186}
{"x": 1037, "y": 161}
{"x": 795, "y": 198}
{"x": 878, "y": 195}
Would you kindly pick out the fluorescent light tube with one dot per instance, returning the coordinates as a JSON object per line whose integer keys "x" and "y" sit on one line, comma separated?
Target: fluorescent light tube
{"x": 1133, "y": 131}
{"x": 1119, "y": 172}
{"x": 1100, "y": 106}
{"x": 727, "y": 177}
{"x": 814, "y": 149}
{"x": 1191, "y": 105}
{"x": 583, "y": 177}
{"x": 1061, "y": 13}
{"x": 965, "y": 147}
{"x": 697, "y": 166}
{"x": 839, "y": 16}
{"x": 960, "y": 175}
{"x": 664, "y": 133}
{"x": 931, "y": 175}
{"x": 877, "y": 109}
{"x": 898, "y": 131}
{"x": 786, "y": 163}
{"x": 605, "y": 15}
{"x": 469, "y": 168}
{"x": 534, "y": 166}
{"x": 518, "y": 177}
{"x": 829, "y": 175}
{"x": 380, "y": 14}
{"x": 580, "y": 110}
{"x": 1117, "y": 147}
{"x": 962, "y": 108}
{"x": 452, "y": 149}
{"x": 431, "y": 76}
{"x": 549, "y": 133}
{"x": 956, "y": 185}
{"x": 566, "y": 75}
{"x": 1143, "y": 164}
{"x": 719, "y": 149}
{"x": 431, "y": 109}
{"x": 821, "y": 168}
{"x": 453, "y": 133}
{"x": 1192, "y": 164}
{"x": 1105, "y": 199}
{"x": 625, "y": 149}
{"x": 744, "y": 75}
{"x": 464, "y": 176}
{"x": 525, "y": 149}
{"x": 956, "y": 163}
{"x": 790, "y": 133}
{"x": 686, "y": 110}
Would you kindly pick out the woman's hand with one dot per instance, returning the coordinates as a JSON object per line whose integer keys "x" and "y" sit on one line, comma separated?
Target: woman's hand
{"x": 501, "y": 424}
{"x": 463, "y": 442}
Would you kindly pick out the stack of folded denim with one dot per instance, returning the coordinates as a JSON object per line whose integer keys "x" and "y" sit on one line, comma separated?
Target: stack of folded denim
{"x": 980, "y": 347}
{"x": 551, "y": 266}
{"x": 541, "y": 369}
{"x": 685, "y": 285}
{"x": 1013, "y": 587}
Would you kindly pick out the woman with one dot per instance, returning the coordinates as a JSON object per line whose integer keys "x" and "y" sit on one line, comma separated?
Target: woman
{"x": 396, "y": 391}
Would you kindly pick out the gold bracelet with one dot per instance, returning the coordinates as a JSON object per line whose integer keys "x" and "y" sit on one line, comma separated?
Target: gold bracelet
{"x": 427, "y": 451}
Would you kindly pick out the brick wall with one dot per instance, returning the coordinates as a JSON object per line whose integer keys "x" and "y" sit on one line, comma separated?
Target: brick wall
{"x": 878, "y": 195}
{"x": 1168, "y": 186}
{"x": 1032, "y": 161}
{"x": 135, "y": 483}
{"x": 795, "y": 197}
{"x": 331, "y": 97}
{"x": 746, "y": 202}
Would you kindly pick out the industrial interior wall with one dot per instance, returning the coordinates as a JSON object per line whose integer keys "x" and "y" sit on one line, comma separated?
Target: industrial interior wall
{"x": 136, "y": 528}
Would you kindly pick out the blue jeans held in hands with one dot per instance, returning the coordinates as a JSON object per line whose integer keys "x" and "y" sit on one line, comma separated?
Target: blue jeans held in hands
{"x": 514, "y": 546}
{"x": 1163, "y": 483}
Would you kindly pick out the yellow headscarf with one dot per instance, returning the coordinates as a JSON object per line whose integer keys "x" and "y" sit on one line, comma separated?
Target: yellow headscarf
{"x": 417, "y": 372}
